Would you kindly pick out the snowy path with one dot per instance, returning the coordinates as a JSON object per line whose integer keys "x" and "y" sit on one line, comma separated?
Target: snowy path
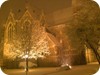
{"x": 76, "y": 70}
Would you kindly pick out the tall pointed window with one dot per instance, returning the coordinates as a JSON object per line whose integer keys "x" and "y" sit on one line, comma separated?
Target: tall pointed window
{"x": 26, "y": 32}
{"x": 27, "y": 26}
{"x": 10, "y": 32}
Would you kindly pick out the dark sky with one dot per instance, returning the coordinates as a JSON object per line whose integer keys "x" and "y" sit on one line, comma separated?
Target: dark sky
{"x": 19, "y": 6}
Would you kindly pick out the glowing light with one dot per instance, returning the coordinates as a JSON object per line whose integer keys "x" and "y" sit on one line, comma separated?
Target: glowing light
{"x": 67, "y": 64}
{"x": 97, "y": 1}
{"x": 1, "y": 73}
{"x": 25, "y": 69}
{"x": 70, "y": 66}
{"x": 63, "y": 65}
{"x": 53, "y": 46}
{"x": 2, "y": 1}
{"x": 26, "y": 56}
{"x": 97, "y": 73}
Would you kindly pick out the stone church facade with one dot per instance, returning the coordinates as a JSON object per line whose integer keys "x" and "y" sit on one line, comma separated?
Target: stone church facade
{"x": 22, "y": 30}
{"x": 63, "y": 44}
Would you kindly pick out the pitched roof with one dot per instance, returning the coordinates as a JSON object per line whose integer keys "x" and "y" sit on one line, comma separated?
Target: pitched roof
{"x": 34, "y": 12}
{"x": 53, "y": 40}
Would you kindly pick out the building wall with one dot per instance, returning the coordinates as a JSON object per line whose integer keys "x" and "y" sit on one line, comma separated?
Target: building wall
{"x": 72, "y": 49}
{"x": 22, "y": 34}
{"x": 59, "y": 16}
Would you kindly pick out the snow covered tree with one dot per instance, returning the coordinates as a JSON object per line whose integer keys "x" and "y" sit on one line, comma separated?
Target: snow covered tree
{"x": 86, "y": 20}
{"x": 31, "y": 42}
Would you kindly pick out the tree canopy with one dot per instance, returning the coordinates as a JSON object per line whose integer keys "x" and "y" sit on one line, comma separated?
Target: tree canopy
{"x": 86, "y": 16}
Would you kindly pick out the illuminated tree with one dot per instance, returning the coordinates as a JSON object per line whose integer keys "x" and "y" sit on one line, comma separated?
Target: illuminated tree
{"x": 28, "y": 41}
{"x": 24, "y": 38}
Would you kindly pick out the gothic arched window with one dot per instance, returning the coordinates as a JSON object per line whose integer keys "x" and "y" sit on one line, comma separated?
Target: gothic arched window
{"x": 26, "y": 29}
{"x": 27, "y": 26}
{"x": 10, "y": 32}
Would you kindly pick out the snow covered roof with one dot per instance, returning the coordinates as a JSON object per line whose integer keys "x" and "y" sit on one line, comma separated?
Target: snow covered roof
{"x": 53, "y": 40}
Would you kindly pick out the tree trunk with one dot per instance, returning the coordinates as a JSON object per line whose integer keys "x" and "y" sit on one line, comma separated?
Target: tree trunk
{"x": 94, "y": 50}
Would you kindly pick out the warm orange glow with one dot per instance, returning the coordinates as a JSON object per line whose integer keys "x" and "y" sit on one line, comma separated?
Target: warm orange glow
{"x": 26, "y": 56}
{"x": 70, "y": 66}
{"x": 53, "y": 46}
{"x": 63, "y": 65}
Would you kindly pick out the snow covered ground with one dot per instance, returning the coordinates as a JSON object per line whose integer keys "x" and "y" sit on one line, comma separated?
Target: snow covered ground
{"x": 88, "y": 69}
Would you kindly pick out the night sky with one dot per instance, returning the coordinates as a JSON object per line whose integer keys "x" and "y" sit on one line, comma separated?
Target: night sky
{"x": 18, "y": 7}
